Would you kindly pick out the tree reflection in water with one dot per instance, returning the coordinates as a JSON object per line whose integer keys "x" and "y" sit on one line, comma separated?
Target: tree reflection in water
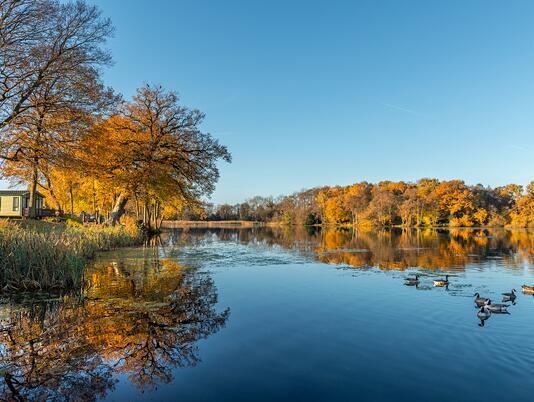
{"x": 385, "y": 249}
{"x": 138, "y": 316}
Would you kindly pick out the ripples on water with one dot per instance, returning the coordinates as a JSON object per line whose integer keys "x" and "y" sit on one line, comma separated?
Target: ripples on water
{"x": 281, "y": 314}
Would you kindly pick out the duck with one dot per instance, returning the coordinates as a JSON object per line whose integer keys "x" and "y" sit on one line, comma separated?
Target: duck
{"x": 509, "y": 296}
{"x": 412, "y": 281}
{"x": 484, "y": 313}
{"x": 527, "y": 289}
{"x": 442, "y": 282}
{"x": 497, "y": 308}
{"x": 480, "y": 301}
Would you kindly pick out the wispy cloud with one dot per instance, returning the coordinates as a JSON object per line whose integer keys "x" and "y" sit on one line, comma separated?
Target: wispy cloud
{"x": 402, "y": 109}
{"x": 518, "y": 148}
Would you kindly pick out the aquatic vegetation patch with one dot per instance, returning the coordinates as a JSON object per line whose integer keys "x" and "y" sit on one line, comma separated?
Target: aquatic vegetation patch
{"x": 43, "y": 256}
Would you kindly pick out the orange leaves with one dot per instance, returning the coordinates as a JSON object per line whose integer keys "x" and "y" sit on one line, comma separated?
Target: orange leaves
{"x": 426, "y": 203}
{"x": 336, "y": 212}
{"x": 523, "y": 214}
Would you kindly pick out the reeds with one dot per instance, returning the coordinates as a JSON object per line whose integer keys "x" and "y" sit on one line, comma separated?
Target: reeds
{"x": 45, "y": 256}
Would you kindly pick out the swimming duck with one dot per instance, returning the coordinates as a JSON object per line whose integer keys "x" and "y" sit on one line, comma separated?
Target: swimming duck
{"x": 480, "y": 301}
{"x": 509, "y": 297}
{"x": 484, "y": 313}
{"x": 497, "y": 308}
{"x": 412, "y": 281}
{"x": 442, "y": 282}
{"x": 527, "y": 289}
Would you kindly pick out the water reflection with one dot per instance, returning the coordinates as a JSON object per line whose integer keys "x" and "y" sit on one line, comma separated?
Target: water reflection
{"x": 385, "y": 249}
{"x": 138, "y": 315}
{"x": 142, "y": 312}
{"x": 420, "y": 250}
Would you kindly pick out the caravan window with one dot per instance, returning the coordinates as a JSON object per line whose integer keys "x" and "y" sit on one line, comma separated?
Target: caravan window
{"x": 16, "y": 203}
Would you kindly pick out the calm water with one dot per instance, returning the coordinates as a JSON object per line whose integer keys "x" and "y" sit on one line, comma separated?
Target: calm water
{"x": 271, "y": 314}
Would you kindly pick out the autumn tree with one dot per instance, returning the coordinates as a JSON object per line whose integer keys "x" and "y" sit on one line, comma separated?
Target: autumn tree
{"x": 334, "y": 209}
{"x": 244, "y": 211}
{"x": 357, "y": 200}
{"x": 43, "y": 114}
{"x": 428, "y": 214}
{"x": 43, "y": 138}
{"x": 523, "y": 215}
{"x": 262, "y": 209}
{"x": 428, "y": 202}
{"x": 42, "y": 41}
{"x": 411, "y": 207}
{"x": 384, "y": 205}
{"x": 154, "y": 150}
{"x": 455, "y": 203}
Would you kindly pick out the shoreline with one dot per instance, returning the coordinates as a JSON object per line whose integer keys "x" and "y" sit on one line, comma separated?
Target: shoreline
{"x": 254, "y": 224}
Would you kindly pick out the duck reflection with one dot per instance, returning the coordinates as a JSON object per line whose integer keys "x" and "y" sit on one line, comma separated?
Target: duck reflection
{"x": 140, "y": 317}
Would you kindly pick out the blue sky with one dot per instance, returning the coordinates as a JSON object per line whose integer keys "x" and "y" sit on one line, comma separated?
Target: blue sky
{"x": 308, "y": 93}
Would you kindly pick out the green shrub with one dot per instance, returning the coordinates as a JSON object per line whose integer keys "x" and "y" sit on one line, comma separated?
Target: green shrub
{"x": 311, "y": 220}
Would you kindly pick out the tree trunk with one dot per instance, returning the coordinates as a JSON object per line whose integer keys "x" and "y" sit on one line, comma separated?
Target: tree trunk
{"x": 154, "y": 215}
{"x": 144, "y": 214}
{"x": 71, "y": 195}
{"x": 94, "y": 198}
{"x": 156, "y": 220}
{"x": 136, "y": 208}
{"x": 33, "y": 190}
{"x": 148, "y": 211}
{"x": 51, "y": 198}
{"x": 118, "y": 209}
{"x": 159, "y": 215}
{"x": 35, "y": 167}
{"x": 354, "y": 217}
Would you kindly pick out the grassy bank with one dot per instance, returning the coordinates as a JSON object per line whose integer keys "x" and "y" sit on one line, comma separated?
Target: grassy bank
{"x": 46, "y": 256}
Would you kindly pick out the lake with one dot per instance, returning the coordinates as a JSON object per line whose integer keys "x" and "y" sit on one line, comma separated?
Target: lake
{"x": 298, "y": 314}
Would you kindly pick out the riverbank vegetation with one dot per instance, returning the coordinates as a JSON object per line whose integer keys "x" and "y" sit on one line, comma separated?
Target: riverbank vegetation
{"x": 52, "y": 256}
{"x": 428, "y": 202}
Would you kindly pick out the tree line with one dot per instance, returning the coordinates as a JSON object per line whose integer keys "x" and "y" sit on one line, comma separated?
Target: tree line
{"x": 428, "y": 202}
{"x": 65, "y": 134}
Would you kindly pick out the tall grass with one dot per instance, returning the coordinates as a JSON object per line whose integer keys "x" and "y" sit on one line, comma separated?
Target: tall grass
{"x": 46, "y": 256}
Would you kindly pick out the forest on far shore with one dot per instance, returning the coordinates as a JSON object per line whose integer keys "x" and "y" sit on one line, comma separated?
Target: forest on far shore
{"x": 428, "y": 202}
